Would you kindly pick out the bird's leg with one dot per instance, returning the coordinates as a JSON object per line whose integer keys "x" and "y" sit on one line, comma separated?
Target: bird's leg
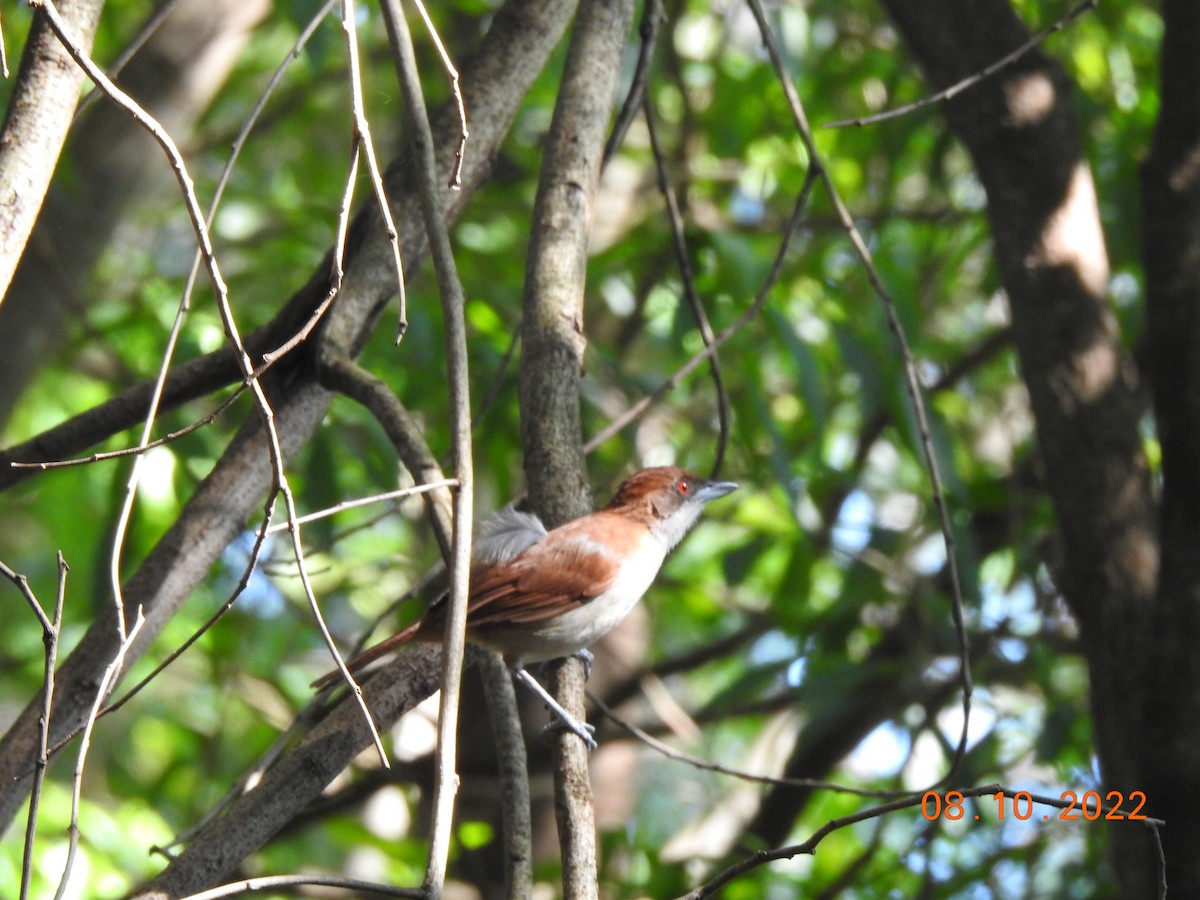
{"x": 568, "y": 721}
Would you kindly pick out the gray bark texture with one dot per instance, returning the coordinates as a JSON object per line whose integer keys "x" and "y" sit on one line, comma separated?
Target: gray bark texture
{"x": 552, "y": 364}
{"x": 522, "y": 35}
{"x": 35, "y": 125}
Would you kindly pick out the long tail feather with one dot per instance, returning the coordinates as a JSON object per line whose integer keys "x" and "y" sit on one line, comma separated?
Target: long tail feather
{"x": 368, "y": 656}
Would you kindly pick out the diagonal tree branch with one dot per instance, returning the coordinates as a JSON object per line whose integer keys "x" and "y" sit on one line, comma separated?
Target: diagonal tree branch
{"x": 296, "y": 779}
{"x": 512, "y": 53}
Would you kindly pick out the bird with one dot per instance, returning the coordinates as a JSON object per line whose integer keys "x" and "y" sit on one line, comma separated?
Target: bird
{"x": 535, "y": 594}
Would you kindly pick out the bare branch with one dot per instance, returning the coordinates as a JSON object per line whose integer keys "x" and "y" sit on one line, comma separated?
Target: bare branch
{"x": 269, "y": 882}
{"x": 551, "y": 360}
{"x": 51, "y": 629}
{"x": 682, "y": 373}
{"x": 343, "y": 212}
{"x": 366, "y": 501}
{"x": 362, "y": 138}
{"x": 679, "y": 244}
{"x": 652, "y": 18}
{"x": 455, "y": 181}
{"x": 3, "y": 52}
{"x": 106, "y": 683}
{"x": 514, "y": 774}
{"x": 969, "y": 82}
{"x": 711, "y": 887}
{"x": 145, "y": 33}
{"x": 696, "y": 762}
{"x": 459, "y": 563}
{"x": 141, "y": 447}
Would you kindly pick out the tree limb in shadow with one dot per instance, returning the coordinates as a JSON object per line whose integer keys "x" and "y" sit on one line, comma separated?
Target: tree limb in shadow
{"x": 512, "y": 53}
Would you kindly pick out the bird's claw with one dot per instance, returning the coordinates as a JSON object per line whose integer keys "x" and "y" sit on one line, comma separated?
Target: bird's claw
{"x": 562, "y": 718}
{"x": 583, "y": 730}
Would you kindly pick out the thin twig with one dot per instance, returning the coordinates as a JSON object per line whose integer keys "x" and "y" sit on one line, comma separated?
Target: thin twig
{"x": 912, "y": 382}
{"x": 652, "y": 18}
{"x": 367, "y": 501}
{"x": 955, "y": 89}
{"x": 1160, "y": 859}
{"x": 362, "y": 137}
{"x": 270, "y": 882}
{"x": 453, "y": 301}
{"x": 696, "y": 762}
{"x": 460, "y": 152}
{"x": 51, "y": 629}
{"x": 496, "y": 380}
{"x": 3, "y": 52}
{"x": 267, "y": 414}
{"x": 337, "y": 270}
{"x": 141, "y": 447}
{"x": 760, "y": 298}
{"x": 106, "y": 681}
{"x": 711, "y": 887}
{"x": 302, "y": 569}
{"x": 146, "y": 32}
{"x": 239, "y": 142}
{"x": 689, "y": 285}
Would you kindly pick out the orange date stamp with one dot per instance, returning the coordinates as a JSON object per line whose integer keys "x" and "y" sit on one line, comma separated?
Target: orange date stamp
{"x": 1071, "y": 807}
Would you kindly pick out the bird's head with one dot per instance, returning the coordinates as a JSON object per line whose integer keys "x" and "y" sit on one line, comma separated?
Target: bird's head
{"x": 668, "y": 500}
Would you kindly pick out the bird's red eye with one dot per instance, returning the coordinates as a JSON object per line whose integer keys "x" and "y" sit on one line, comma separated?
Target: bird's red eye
{"x": 683, "y": 487}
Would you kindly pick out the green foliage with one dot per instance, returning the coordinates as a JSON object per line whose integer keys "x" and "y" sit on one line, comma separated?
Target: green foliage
{"x": 831, "y": 546}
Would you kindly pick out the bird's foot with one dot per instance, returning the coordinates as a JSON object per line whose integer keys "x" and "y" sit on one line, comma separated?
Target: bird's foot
{"x": 563, "y": 719}
{"x": 584, "y": 730}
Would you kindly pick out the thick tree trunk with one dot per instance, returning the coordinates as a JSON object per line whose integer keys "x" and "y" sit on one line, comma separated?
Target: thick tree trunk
{"x": 1171, "y": 253}
{"x": 115, "y": 167}
{"x": 1021, "y": 131}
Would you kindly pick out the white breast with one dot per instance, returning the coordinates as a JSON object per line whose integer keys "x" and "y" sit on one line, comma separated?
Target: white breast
{"x": 580, "y": 628}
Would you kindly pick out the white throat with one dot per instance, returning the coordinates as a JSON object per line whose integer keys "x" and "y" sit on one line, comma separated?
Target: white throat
{"x": 675, "y": 527}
